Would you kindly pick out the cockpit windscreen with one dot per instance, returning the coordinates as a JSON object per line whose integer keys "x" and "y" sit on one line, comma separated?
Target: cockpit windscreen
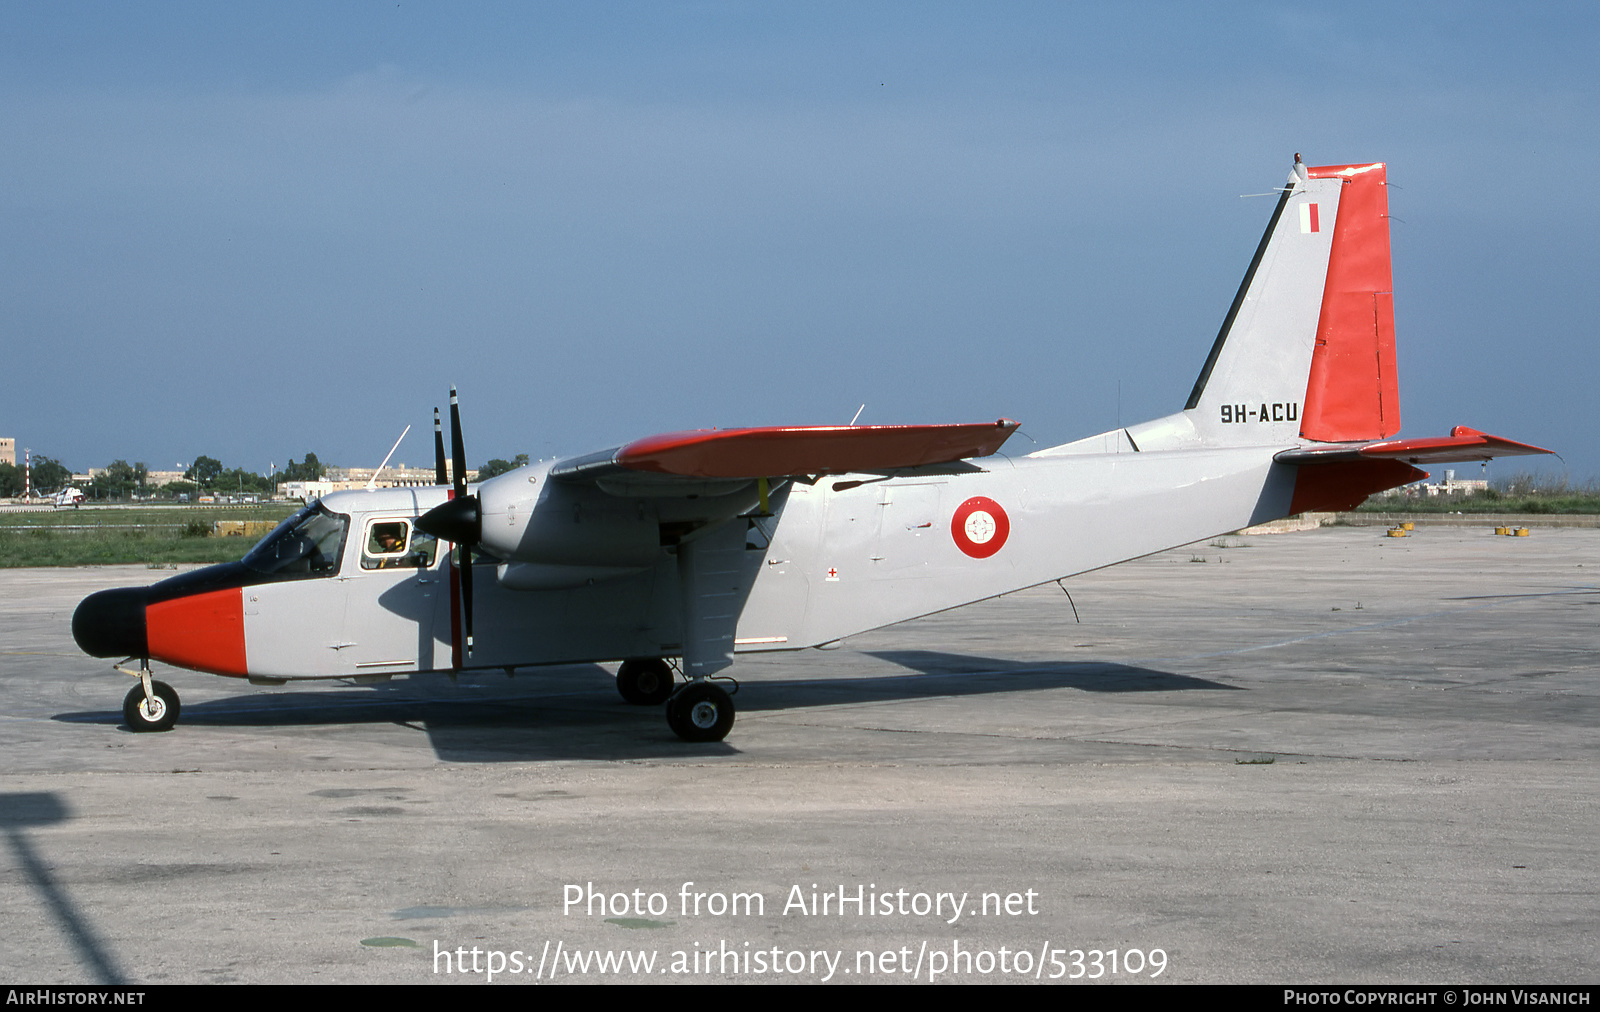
{"x": 308, "y": 544}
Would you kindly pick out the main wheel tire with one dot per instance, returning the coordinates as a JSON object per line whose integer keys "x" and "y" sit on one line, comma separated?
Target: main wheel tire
{"x": 700, "y": 711}
{"x": 645, "y": 681}
{"x": 142, "y": 716}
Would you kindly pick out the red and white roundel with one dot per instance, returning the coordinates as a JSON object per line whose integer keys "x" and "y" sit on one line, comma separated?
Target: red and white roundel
{"x": 980, "y": 527}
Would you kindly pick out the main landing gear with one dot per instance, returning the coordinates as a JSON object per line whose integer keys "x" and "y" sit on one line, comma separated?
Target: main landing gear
{"x": 698, "y": 711}
{"x": 645, "y": 681}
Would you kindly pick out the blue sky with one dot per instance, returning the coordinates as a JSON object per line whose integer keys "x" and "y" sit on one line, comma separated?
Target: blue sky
{"x": 250, "y": 231}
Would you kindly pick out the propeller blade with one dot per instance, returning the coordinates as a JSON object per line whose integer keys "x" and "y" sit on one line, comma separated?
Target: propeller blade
{"x": 457, "y": 446}
{"x": 441, "y": 475}
{"x": 459, "y": 520}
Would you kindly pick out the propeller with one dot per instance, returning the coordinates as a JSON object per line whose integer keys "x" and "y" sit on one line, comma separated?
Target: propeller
{"x": 460, "y": 519}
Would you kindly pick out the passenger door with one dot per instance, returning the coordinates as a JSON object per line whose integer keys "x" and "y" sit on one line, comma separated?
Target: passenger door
{"x": 394, "y": 587}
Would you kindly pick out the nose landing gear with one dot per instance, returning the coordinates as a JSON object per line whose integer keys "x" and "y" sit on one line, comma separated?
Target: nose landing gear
{"x": 151, "y": 706}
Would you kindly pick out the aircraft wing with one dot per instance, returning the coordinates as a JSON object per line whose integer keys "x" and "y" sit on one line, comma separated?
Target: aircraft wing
{"x": 775, "y": 452}
{"x": 1462, "y": 445}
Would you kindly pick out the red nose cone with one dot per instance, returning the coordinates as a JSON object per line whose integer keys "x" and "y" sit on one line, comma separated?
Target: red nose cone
{"x": 202, "y": 631}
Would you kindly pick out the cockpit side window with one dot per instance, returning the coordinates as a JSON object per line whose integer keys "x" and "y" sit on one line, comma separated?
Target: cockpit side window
{"x": 395, "y": 544}
{"x": 307, "y": 545}
{"x": 386, "y": 544}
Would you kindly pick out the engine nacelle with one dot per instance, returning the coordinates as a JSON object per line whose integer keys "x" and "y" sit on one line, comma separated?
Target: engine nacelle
{"x": 527, "y": 518}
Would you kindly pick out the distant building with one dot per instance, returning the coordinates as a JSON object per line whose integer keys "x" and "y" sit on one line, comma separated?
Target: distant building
{"x": 342, "y": 479}
{"x": 1448, "y": 486}
{"x": 306, "y": 491}
{"x": 152, "y": 479}
{"x": 393, "y": 477}
{"x": 8, "y": 451}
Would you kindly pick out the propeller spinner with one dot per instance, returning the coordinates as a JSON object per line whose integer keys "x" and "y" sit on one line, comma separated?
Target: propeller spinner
{"x": 460, "y": 520}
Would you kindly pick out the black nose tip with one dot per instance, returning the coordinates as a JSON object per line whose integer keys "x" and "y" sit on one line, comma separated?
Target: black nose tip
{"x": 111, "y": 623}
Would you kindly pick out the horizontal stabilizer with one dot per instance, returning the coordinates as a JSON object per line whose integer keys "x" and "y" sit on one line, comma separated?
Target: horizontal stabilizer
{"x": 1462, "y": 445}
{"x": 801, "y": 450}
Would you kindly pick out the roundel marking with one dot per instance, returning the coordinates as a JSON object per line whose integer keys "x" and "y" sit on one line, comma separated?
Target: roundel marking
{"x": 980, "y": 527}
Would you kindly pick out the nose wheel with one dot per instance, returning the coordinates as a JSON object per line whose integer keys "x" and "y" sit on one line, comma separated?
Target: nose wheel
{"x": 700, "y": 712}
{"x": 157, "y": 711}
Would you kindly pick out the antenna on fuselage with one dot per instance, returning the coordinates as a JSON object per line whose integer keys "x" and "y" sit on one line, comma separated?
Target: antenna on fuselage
{"x": 372, "y": 482}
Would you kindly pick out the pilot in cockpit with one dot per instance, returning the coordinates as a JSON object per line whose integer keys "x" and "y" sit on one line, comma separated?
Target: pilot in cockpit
{"x": 385, "y": 546}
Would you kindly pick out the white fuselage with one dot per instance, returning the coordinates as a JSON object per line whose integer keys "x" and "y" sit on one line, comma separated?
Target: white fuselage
{"x": 846, "y": 554}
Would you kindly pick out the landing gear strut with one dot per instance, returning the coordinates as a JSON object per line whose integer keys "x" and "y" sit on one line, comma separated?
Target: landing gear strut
{"x": 645, "y": 681}
{"x": 699, "y": 712}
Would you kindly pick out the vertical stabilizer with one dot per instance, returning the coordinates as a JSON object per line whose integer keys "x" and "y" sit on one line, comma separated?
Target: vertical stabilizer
{"x": 1306, "y": 350}
{"x": 1253, "y": 387}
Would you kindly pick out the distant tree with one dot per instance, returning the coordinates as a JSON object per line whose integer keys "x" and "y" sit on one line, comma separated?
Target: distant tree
{"x": 49, "y": 475}
{"x": 10, "y": 480}
{"x": 311, "y": 470}
{"x": 204, "y": 471}
{"x": 117, "y": 482}
{"x": 176, "y": 488}
{"x": 497, "y": 466}
{"x": 239, "y": 480}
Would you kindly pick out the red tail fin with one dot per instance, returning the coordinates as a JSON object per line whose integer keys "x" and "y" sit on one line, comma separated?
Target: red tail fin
{"x": 1353, "y": 392}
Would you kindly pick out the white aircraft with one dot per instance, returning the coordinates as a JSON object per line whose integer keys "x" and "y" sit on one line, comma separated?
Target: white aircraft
{"x": 68, "y": 496}
{"x": 697, "y": 546}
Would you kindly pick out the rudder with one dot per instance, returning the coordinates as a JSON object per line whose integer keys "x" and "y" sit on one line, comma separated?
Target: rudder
{"x": 1353, "y": 391}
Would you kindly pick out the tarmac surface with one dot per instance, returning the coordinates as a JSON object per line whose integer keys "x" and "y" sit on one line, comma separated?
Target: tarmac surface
{"x": 1429, "y": 707}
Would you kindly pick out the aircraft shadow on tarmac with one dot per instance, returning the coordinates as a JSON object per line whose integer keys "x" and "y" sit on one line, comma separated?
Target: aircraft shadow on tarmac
{"x": 573, "y": 712}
